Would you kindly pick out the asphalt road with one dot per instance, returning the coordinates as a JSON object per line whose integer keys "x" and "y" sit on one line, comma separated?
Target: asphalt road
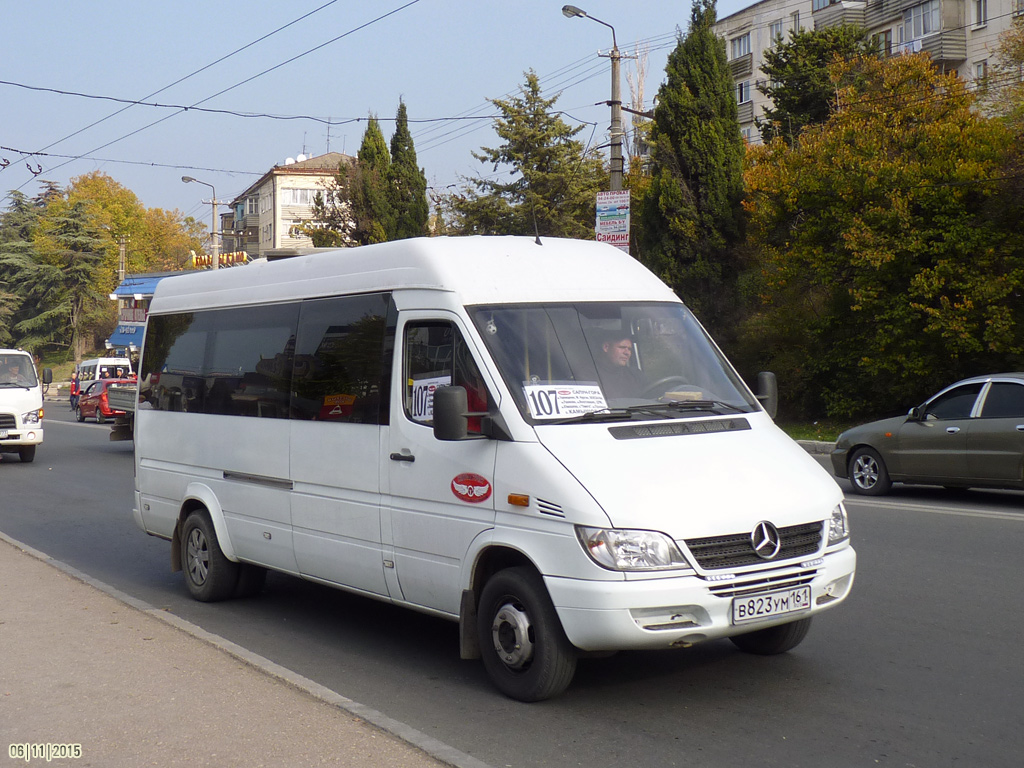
{"x": 920, "y": 667}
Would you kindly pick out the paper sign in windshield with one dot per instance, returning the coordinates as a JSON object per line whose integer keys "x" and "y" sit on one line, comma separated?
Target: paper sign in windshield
{"x": 562, "y": 401}
{"x": 423, "y": 396}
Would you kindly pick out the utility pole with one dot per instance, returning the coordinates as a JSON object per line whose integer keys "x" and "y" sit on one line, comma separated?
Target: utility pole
{"x": 122, "y": 242}
{"x": 615, "y": 130}
{"x": 214, "y": 244}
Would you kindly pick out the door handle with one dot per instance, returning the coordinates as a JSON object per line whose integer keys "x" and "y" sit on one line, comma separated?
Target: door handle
{"x": 403, "y": 457}
{"x": 1020, "y": 427}
{"x": 952, "y": 430}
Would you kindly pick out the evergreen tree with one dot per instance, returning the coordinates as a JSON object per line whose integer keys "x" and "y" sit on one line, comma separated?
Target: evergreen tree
{"x": 408, "y": 182}
{"x": 691, "y": 218}
{"x": 553, "y": 179}
{"x": 364, "y": 194}
{"x": 798, "y": 80}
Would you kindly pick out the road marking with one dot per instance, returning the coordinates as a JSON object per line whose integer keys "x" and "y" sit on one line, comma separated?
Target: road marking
{"x": 955, "y": 511}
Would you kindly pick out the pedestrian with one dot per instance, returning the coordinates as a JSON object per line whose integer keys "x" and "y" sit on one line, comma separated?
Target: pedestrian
{"x": 75, "y": 390}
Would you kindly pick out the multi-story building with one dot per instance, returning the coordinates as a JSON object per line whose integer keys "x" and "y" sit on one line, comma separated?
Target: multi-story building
{"x": 960, "y": 35}
{"x": 265, "y": 216}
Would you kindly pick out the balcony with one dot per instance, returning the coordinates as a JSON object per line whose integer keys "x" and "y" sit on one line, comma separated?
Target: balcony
{"x": 948, "y": 47}
{"x": 844, "y": 12}
{"x": 742, "y": 66}
{"x": 745, "y": 112}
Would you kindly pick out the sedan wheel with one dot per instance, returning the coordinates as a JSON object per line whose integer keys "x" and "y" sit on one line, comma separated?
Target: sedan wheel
{"x": 868, "y": 473}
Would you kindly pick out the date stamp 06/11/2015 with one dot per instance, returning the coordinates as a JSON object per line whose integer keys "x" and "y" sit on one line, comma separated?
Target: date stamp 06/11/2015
{"x": 46, "y": 751}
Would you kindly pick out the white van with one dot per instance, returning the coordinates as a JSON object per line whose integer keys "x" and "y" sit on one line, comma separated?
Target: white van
{"x": 103, "y": 368}
{"x": 538, "y": 441}
{"x": 21, "y": 403}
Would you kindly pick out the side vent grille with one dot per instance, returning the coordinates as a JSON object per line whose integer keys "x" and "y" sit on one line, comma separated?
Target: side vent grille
{"x": 549, "y": 508}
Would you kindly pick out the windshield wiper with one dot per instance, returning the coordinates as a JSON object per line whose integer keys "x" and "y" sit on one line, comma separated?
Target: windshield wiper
{"x": 605, "y": 414}
{"x": 686, "y": 405}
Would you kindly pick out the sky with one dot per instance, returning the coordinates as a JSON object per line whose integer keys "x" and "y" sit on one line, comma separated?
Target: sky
{"x": 265, "y": 81}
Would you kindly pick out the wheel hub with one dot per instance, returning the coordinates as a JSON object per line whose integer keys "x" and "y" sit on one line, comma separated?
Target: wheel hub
{"x": 510, "y": 631}
{"x": 865, "y": 472}
{"x": 198, "y": 556}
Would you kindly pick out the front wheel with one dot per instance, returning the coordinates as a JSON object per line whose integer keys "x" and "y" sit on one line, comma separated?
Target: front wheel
{"x": 27, "y": 453}
{"x": 868, "y": 473}
{"x": 78, "y": 413}
{"x": 209, "y": 575}
{"x": 773, "y": 640}
{"x": 525, "y": 650}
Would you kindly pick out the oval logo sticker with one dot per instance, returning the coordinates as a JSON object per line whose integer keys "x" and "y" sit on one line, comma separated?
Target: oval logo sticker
{"x": 471, "y": 487}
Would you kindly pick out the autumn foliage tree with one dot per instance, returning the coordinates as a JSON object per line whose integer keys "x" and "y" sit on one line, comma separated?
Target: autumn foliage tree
{"x": 892, "y": 261}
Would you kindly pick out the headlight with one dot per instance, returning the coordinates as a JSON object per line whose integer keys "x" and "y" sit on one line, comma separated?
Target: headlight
{"x": 838, "y": 526}
{"x": 32, "y": 417}
{"x": 631, "y": 550}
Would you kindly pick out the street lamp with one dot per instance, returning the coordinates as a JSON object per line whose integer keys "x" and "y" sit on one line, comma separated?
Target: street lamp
{"x": 215, "y": 246}
{"x": 571, "y": 12}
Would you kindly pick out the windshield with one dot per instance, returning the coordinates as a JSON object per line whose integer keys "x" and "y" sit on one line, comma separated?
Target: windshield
{"x": 17, "y": 371}
{"x": 575, "y": 362}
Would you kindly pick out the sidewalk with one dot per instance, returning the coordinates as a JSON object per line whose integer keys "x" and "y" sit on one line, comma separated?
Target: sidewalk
{"x": 135, "y": 686}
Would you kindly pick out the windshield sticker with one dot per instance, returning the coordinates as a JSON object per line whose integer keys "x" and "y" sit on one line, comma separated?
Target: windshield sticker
{"x": 555, "y": 400}
{"x": 423, "y": 396}
{"x": 471, "y": 487}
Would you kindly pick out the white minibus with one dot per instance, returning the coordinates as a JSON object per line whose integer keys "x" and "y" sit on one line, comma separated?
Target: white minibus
{"x": 533, "y": 438}
{"x": 21, "y": 403}
{"x": 103, "y": 368}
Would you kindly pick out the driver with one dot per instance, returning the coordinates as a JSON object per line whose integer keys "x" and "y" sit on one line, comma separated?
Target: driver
{"x": 619, "y": 376}
{"x": 15, "y": 375}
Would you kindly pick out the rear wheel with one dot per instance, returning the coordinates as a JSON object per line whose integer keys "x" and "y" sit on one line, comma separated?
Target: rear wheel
{"x": 868, "y": 473}
{"x": 100, "y": 418}
{"x": 209, "y": 575}
{"x": 773, "y": 640}
{"x": 27, "y": 453}
{"x": 525, "y": 650}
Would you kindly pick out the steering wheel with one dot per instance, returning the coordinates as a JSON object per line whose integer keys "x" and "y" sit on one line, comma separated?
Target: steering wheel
{"x": 660, "y": 387}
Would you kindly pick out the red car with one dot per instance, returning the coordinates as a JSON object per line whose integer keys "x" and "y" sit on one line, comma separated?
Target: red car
{"x": 93, "y": 401}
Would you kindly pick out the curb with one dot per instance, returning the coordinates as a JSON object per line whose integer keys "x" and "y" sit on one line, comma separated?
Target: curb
{"x": 425, "y": 743}
{"x": 816, "y": 446}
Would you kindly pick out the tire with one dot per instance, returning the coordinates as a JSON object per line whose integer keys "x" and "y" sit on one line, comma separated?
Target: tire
{"x": 773, "y": 640}
{"x": 868, "y": 473}
{"x": 78, "y": 413}
{"x": 100, "y": 418}
{"x": 209, "y": 575}
{"x": 27, "y": 453}
{"x": 525, "y": 650}
{"x": 251, "y": 579}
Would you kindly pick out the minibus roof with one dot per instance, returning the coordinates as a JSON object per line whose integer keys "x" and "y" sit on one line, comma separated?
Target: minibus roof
{"x": 480, "y": 269}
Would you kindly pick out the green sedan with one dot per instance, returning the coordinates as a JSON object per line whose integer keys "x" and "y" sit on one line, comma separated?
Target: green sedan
{"x": 970, "y": 434}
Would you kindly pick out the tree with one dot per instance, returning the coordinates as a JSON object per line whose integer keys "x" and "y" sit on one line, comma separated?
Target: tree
{"x": 891, "y": 258}
{"x": 61, "y": 299}
{"x": 798, "y": 81}
{"x": 409, "y": 184}
{"x": 549, "y": 180}
{"x": 691, "y": 217}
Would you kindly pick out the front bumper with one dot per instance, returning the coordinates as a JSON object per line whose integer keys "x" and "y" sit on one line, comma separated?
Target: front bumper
{"x": 20, "y": 436}
{"x": 685, "y": 610}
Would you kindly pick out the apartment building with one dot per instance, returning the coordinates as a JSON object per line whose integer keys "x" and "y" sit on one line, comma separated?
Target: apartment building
{"x": 265, "y": 216}
{"x": 960, "y": 35}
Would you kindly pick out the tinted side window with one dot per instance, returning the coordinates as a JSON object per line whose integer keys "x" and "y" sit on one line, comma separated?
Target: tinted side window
{"x": 1005, "y": 400}
{"x": 228, "y": 361}
{"x": 955, "y": 404}
{"x": 342, "y": 356}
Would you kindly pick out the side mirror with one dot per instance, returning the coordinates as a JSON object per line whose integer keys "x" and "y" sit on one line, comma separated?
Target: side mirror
{"x": 768, "y": 392}
{"x": 47, "y": 376}
{"x": 451, "y": 408}
{"x": 916, "y": 413}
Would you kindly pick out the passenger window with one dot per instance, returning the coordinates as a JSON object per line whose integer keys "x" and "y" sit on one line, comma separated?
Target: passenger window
{"x": 955, "y": 404}
{"x": 1005, "y": 400}
{"x": 342, "y": 360}
{"x": 435, "y": 356}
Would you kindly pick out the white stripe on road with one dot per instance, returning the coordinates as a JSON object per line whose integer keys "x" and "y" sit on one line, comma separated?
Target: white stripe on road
{"x": 956, "y": 511}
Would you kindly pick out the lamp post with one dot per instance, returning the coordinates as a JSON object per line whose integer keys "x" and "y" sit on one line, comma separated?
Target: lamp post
{"x": 570, "y": 12}
{"x": 214, "y": 245}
